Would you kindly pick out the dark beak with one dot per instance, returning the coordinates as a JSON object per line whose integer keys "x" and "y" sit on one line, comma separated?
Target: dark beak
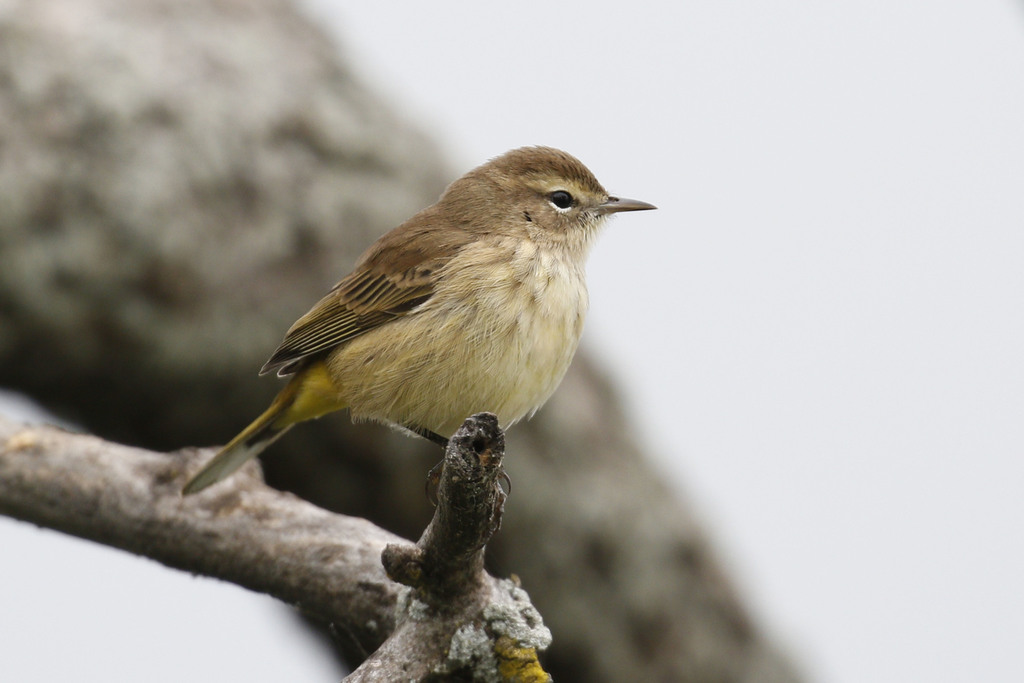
{"x": 616, "y": 204}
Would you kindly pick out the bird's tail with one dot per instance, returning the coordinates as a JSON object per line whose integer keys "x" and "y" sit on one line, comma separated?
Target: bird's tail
{"x": 261, "y": 433}
{"x": 309, "y": 394}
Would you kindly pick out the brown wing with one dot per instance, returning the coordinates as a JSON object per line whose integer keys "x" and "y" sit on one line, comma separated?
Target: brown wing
{"x": 394, "y": 276}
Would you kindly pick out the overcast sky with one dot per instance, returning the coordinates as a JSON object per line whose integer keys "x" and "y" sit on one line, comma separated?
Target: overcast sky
{"x": 827, "y": 311}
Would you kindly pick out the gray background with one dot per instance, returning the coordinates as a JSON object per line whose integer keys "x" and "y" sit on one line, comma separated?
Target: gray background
{"x": 827, "y": 311}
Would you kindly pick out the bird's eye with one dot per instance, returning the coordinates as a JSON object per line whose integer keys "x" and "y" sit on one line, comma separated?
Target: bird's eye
{"x": 561, "y": 199}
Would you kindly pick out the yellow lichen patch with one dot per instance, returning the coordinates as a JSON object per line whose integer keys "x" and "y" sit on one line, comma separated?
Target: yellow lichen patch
{"x": 21, "y": 441}
{"x": 518, "y": 664}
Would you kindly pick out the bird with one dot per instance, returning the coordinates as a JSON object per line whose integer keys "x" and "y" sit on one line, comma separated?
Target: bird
{"x": 474, "y": 304}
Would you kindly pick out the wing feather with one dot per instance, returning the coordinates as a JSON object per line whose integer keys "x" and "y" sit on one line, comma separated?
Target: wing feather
{"x": 395, "y": 275}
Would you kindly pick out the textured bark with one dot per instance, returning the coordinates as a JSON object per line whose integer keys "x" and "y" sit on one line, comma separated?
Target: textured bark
{"x": 457, "y": 622}
{"x": 179, "y": 181}
{"x": 245, "y": 532}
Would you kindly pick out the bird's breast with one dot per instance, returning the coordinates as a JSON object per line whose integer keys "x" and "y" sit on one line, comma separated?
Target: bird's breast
{"x": 497, "y": 335}
{"x": 522, "y": 309}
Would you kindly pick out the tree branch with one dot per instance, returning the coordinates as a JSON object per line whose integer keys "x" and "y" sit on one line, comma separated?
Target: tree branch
{"x": 457, "y": 621}
{"x": 455, "y": 616}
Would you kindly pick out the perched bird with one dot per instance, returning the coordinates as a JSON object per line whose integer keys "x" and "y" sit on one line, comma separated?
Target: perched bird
{"x": 474, "y": 304}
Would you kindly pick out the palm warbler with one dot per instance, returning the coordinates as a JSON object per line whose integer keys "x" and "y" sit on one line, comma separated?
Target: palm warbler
{"x": 474, "y": 304}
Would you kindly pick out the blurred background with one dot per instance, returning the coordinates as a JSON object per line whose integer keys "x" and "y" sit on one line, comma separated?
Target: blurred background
{"x": 818, "y": 334}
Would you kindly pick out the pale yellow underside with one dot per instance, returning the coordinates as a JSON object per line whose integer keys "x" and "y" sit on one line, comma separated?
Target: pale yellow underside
{"x": 502, "y": 347}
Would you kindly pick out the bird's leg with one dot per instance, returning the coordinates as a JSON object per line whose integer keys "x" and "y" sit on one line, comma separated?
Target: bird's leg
{"x": 434, "y": 475}
{"x": 508, "y": 482}
{"x": 428, "y": 435}
{"x": 432, "y": 482}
